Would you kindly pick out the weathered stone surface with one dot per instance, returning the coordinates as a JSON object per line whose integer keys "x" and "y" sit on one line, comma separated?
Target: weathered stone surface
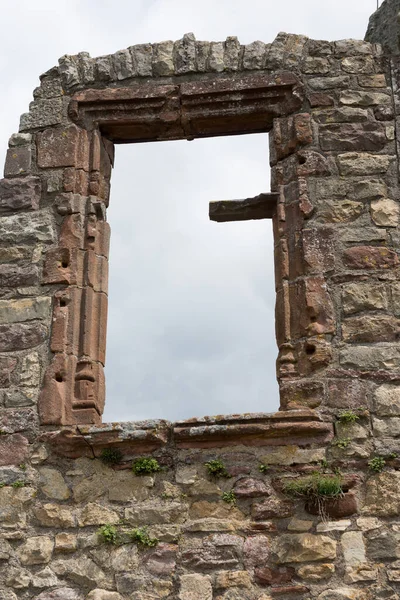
{"x": 382, "y": 495}
{"x": 291, "y": 455}
{"x": 304, "y": 547}
{"x": 387, "y": 428}
{"x": 357, "y": 297}
{"x": 377, "y": 328}
{"x": 356, "y": 98}
{"x": 385, "y": 212}
{"x": 383, "y": 544}
{"x": 277, "y": 576}
{"x": 370, "y": 257}
{"x": 36, "y": 550}
{"x": 367, "y": 357}
{"x": 83, "y": 572}
{"x": 21, "y": 336}
{"x": 153, "y": 513}
{"x": 103, "y": 595}
{"x": 353, "y": 548}
{"x": 54, "y": 515}
{"x": 64, "y": 593}
{"x": 27, "y": 309}
{"x": 387, "y": 401}
{"x": 218, "y": 551}
{"x": 163, "y": 63}
{"x": 65, "y": 542}
{"x": 53, "y": 485}
{"x": 18, "y": 161}
{"x": 195, "y": 587}
{"x": 162, "y": 560}
{"x": 22, "y": 193}
{"x": 185, "y": 54}
{"x": 316, "y": 572}
{"x": 216, "y": 510}
{"x": 270, "y": 508}
{"x": 18, "y": 579}
{"x": 353, "y": 136}
{"x": 356, "y": 163}
{"x": 44, "y": 579}
{"x": 216, "y": 57}
{"x": 343, "y": 594}
{"x": 247, "y": 487}
{"x": 95, "y": 514}
{"x": 228, "y": 579}
{"x": 27, "y": 228}
{"x": 62, "y": 147}
{"x": 13, "y": 449}
{"x": 256, "y": 551}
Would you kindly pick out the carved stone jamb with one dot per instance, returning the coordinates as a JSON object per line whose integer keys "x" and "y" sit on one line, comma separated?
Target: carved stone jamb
{"x": 74, "y": 386}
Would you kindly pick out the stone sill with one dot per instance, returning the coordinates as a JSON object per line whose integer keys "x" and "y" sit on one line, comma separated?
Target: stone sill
{"x": 297, "y": 427}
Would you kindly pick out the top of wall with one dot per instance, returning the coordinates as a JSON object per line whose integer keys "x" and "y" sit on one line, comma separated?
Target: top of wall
{"x": 384, "y": 27}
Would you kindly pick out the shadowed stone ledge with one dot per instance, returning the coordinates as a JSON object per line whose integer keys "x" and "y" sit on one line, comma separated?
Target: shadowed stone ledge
{"x": 302, "y": 427}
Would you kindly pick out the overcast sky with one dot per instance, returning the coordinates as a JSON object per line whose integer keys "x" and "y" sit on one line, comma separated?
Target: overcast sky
{"x": 191, "y": 317}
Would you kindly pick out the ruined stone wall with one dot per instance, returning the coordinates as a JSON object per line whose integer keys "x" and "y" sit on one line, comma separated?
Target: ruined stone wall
{"x": 303, "y": 503}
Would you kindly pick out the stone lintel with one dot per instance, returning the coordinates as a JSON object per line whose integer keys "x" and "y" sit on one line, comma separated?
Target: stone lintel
{"x": 262, "y": 206}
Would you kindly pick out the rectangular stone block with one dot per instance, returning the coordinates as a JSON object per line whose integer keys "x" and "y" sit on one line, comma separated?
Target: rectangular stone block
{"x": 387, "y": 428}
{"x": 340, "y": 115}
{"x": 370, "y": 257}
{"x": 42, "y": 113}
{"x": 370, "y": 329}
{"x": 14, "y": 276}
{"x": 362, "y": 163}
{"x": 21, "y": 336}
{"x": 311, "y": 308}
{"x": 27, "y": 228}
{"x": 358, "y": 297}
{"x": 386, "y": 358}
{"x": 27, "y": 309}
{"x": 18, "y": 161}
{"x": 22, "y": 193}
{"x": 387, "y": 401}
{"x": 63, "y": 147}
{"x": 352, "y": 136}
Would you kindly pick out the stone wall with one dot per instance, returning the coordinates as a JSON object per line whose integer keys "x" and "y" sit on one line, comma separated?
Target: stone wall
{"x": 384, "y": 26}
{"x": 303, "y": 503}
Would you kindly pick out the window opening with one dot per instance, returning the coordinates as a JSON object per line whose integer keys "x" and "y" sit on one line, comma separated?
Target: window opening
{"x": 191, "y": 302}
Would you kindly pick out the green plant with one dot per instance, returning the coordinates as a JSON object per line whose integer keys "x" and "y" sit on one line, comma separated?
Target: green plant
{"x": 22, "y": 466}
{"x": 144, "y": 466}
{"x": 377, "y": 464}
{"x": 216, "y": 468}
{"x": 392, "y": 455}
{"x": 263, "y": 468}
{"x": 324, "y": 464}
{"x": 108, "y": 533}
{"x": 2, "y": 484}
{"x": 347, "y": 416}
{"x": 341, "y": 442}
{"x": 229, "y": 497}
{"x": 111, "y": 456}
{"x": 18, "y": 484}
{"x": 141, "y": 536}
{"x": 314, "y": 486}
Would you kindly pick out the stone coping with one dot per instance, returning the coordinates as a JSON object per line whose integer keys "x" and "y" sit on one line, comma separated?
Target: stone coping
{"x": 300, "y": 427}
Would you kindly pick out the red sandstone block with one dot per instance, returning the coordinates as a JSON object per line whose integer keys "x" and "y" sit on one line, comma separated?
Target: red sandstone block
{"x": 312, "y": 311}
{"x": 370, "y": 257}
{"x": 13, "y": 449}
{"x": 63, "y": 147}
{"x": 18, "y": 161}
